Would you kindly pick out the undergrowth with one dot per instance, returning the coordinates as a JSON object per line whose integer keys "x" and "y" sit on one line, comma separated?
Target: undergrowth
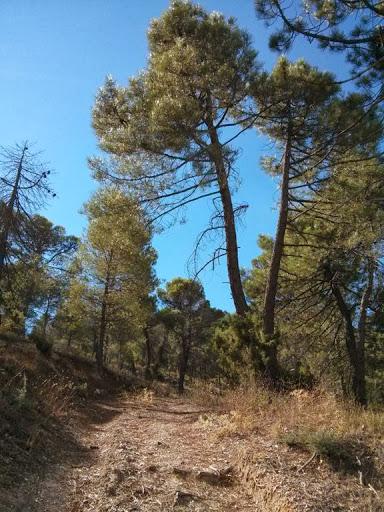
{"x": 303, "y": 439}
{"x": 343, "y": 454}
{"x": 41, "y": 399}
{"x": 257, "y": 408}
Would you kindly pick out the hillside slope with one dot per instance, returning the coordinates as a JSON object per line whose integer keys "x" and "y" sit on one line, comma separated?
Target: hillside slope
{"x": 43, "y": 404}
{"x": 73, "y": 442}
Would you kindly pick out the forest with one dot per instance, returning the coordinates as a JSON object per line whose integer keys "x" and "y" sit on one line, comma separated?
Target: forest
{"x": 307, "y": 313}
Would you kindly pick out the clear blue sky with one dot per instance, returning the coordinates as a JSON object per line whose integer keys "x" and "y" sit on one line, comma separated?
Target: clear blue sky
{"x": 55, "y": 54}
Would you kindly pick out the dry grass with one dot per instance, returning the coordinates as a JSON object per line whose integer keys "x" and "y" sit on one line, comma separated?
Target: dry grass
{"x": 258, "y": 409}
{"x": 305, "y": 450}
{"x": 206, "y": 393}
{"x": 145, "y": 396}
{"x": 41, "y": 399}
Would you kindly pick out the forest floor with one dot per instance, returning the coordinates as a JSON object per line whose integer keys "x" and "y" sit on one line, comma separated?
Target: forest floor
{"x": 71, "y": 441}
{"x": 145, "y": 454}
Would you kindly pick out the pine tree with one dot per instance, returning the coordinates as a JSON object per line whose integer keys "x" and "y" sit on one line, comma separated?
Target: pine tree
{"x": 186, "y": 300}
{"x": 166, "y": 128}
{"x": 353, "y": 28}
{"x": 116, "y": 267}
{"x": 24, "y": 189}
{"x": 291, "y": 100}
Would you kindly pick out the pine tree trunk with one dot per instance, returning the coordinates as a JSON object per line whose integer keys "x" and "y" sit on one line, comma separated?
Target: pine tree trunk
{"x": 148, "y": 348}
{"x": 120, "y": 354}
{"x": 102, "y": 332}
{"x": 362, "y": 330}
{"x": 272, "y": 366}
{"x": 95, "y": 341}
{"x": 46, "y": 318}
{"x": 100, "y": 346}
{"x": 233, "y": 267}
{"x": 355, "y": 360}
{"x": 183, "y": 362}
{"x": 160, "y": 357}
{"x": 182, "y": 370}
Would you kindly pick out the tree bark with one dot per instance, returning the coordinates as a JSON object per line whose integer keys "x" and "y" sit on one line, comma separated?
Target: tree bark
{"x": 100, "y": 356}
{"x": 350, "y": 341}
{"x": 148, "y": 348}
{"x": 183, "y": 363}
{"x": 354, "y": 351}
{"x": 133, "y": 366}
{"x": 272, "y": 366}
{"x": 160, "y": 356}
{"x": 186, "y": 344}
{"x": 46, "y": 317}
{"x": 233, "y": 267}
{"x": 120, "y": 354}
{"x": 362, "y": 331}
{"x": 102, "y": 332}
{"x": 94, "y": 340}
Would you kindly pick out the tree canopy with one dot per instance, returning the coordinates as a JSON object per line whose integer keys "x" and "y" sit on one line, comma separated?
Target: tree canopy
{"x": 309, "y": 308}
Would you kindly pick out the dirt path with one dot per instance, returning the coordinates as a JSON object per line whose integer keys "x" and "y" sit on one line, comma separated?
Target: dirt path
{"x": 148, "y": 455}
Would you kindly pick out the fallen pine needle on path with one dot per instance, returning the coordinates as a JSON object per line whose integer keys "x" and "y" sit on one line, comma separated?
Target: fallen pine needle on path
{"x": 150, "y": 455}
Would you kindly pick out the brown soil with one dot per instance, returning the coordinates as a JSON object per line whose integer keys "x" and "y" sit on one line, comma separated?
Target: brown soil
{"x": 145, "y": 454}
{"x": 71, "y": 441}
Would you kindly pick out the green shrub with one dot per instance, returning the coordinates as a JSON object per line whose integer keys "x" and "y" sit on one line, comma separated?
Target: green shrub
{"x": 231, "y": 346}
{"x": 342, "y": 453}
{"x": 42, "y": 344}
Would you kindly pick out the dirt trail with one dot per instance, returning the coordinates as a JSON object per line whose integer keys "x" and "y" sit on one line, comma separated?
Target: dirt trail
{"x": 146, "y": 455}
